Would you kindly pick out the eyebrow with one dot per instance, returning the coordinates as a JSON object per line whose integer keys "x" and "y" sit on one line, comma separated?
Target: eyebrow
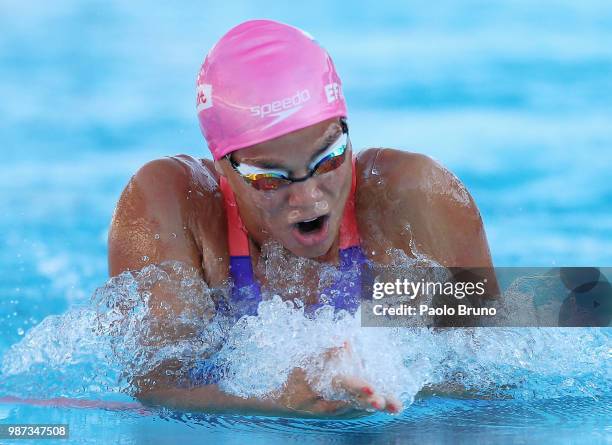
{"x": 326, "y": 144}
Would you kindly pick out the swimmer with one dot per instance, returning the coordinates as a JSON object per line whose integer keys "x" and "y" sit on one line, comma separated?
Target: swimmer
{"x": 272, "y": 110}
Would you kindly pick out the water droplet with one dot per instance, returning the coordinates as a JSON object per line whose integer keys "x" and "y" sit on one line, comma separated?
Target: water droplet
{"x": 157, "y": 236}
{"x": 20, "y": 331}
{"x": 321, "y": 205}
{"x": 173, "y": 235}
{"x": 145, "y": 258}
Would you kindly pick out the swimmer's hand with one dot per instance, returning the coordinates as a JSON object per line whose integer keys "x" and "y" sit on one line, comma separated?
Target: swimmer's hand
{"x": 299, "y": 398}
{"x": 357, "y": 396}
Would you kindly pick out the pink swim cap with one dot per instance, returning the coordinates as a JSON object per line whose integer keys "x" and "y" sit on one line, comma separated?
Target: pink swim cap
{"x": 261, "y": 80}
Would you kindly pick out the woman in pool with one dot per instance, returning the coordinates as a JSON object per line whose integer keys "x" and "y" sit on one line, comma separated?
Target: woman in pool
{"x": 272, "y": 110}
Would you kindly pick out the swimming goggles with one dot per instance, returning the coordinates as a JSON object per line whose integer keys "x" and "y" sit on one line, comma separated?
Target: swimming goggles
{"x": 265, "y": 179}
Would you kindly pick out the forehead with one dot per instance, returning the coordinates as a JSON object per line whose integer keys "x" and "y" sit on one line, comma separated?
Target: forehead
{"x": 295, "y": 148}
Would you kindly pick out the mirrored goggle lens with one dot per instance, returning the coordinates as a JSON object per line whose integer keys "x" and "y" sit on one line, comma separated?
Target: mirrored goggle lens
{"x": 329, "y": 164}
{"x": 267, "y": 182}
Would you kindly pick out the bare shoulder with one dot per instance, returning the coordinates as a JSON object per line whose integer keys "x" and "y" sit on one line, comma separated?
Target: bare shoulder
{"x": 404, "y": 172}
{"x": 425, "y": 206}
{"x": 172, "y": 174}
{"x": 167, "y": 211}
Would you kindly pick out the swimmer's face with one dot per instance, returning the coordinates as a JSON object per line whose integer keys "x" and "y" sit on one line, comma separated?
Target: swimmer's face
{"x": 303, "y": 216}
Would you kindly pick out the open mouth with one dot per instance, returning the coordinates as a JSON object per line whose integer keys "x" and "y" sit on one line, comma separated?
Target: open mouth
{"x": 312, "y": 231}
{"x": 311, "y": 225}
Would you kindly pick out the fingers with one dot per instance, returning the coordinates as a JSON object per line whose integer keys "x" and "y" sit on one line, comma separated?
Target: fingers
{"x": 355, "y": 387}
{"x": 387, "y": 404}
{"x": 365, "y": 396}
{"x": 394, "y": 405}
{"x": 362, "y": 393}
{"x": 377, "y": 402}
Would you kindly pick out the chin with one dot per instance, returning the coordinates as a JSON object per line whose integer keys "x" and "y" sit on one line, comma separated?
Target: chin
{"x": 308, "y": 253}
{"x": 311, "y": 251}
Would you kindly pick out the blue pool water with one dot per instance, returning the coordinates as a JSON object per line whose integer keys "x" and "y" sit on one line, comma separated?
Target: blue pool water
{"x": 515, "y": 97}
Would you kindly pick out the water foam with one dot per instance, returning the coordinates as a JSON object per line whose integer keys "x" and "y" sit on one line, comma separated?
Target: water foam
{"x": 125, "y": 331}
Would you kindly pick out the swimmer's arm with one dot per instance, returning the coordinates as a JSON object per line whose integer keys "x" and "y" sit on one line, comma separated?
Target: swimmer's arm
{"x": 211, "y": 399}
{"x": 207, "y": 398}
{"x": 296, "y": 399}
{"x": 147, "y": 215}
{"x": 149, "y": 226}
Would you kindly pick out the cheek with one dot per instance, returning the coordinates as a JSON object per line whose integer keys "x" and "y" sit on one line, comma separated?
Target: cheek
{"x": 335, "y": 184}
{"x": 269, "y": 207}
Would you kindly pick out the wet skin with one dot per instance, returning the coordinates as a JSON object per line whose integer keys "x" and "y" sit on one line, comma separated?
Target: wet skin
{"x": 172, "y": 209}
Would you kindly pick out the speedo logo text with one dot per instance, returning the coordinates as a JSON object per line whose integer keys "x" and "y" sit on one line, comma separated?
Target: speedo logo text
{"x": 275, "y": 108}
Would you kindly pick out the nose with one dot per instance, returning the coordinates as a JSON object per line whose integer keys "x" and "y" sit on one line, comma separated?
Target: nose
{"x": 305, "y": 194}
